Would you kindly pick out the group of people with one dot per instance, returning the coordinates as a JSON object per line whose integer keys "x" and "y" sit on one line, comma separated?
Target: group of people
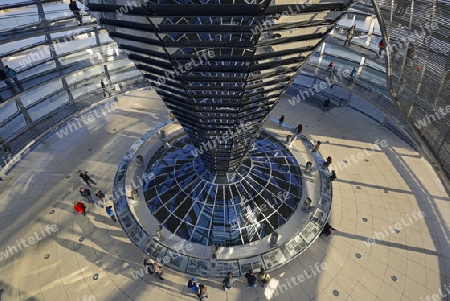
{"x": 333, "y": 71}
{"x": 227, "y": 283}
{"x": 80, "y": 207}
{"x": 297, "y": 131}
{"x": 198, "y": 288}
{"x": 154, "y": 267}
{"x": 263, "y": 278}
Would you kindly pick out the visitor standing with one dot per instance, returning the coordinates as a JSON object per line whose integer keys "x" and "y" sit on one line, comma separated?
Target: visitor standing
{"x": 193, "y": 285}
{"x": 86, "y": 178}
{"x": 281, "y": 120}
{"x": 110, "y": 212}
{"x": 251, "y": 278}
{"x": 202, "y": 294}
{"x": 263, "y": 277}
{"x": 333, "y": 175}
{"x": 410, "y": 54}
{"x": 297, "y": 131}
{"x": 101, "y": 196}
{"x": 317, "y": 146}
{"x": 4, "y": 78}
{"x": 148, "y": 264}
{"x": 12, "y": 76}
{"x": 350, "y": 34}
{"x": 80, "y": 207}
{"x": 330, "y": 65}
{"x": 104, "y": 88}
{"x": 86, "y": 193}
{"x": 353, "y": 74}
{"x": 327, "y": 163}
{"x": 327, "y": 229}
{"x": 333, "y": 72}
{"x": 228, "y": 282}
{"x": 381, "y": 47}
{"x": 327, "y": 104}
{"x": 76, "y": 11}
{"x": 157, "y": 269}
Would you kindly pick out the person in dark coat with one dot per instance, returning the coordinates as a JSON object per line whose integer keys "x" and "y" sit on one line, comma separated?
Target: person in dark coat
{"x": 102, "y": 83}
{"x": 202, "y": 293}
{"x": 6, "y": 146}
{"x": 86, "y": 193}
{"x": 86, "y": 178}
{"x": 326, "y": 104}
{"x": 298, "y": 130}
{"x": 3, "y": 75}
{"x": 12, "y": 75}
{"x": 353, "y": 75}
{"x": 76, "y": 11}
{"x": 333, "y": 175}
{"x": 251, "y": 278}
{"x": 280, "y": 121}
{"x": 327, "y": 230}
{"x": 327, "y": 163}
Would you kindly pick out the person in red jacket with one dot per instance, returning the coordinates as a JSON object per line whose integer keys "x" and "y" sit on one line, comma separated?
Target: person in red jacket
{"x": 80, "y": 207}
{"x": 330, "y": 65}
{"x": 381, "y": 47}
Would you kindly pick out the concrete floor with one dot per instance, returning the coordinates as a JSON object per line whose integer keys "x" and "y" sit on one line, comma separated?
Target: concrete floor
{"x": 384, "y": 190}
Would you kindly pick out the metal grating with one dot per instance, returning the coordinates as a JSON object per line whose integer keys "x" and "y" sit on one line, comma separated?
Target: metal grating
{"x": 420, "y": 82}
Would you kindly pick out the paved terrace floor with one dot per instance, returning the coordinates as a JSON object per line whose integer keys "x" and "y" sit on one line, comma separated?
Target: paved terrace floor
{"x": 382, "y": 191}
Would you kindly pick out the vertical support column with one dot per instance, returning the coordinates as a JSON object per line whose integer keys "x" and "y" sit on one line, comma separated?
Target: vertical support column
{"x": 370, "y": 32}
{"x": 97, "y": 38}
{"x": 107, "y": 73}
{"x": 27, "y": 116}
{"x": 41, "y": 13}
{"x": 58, "y": 64}
{"x": 321, "y": 53}
{"x": 361, "y": 65}
{"x": 23, "y": 110}
{"x": 99, "y": 45}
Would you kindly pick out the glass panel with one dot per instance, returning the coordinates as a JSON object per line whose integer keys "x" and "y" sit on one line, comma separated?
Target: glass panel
{"x": 46, "y": 107}
{"x": 40, "y": 92}
{"x": 7, "y": 110}
{"x": 13, "y": 126}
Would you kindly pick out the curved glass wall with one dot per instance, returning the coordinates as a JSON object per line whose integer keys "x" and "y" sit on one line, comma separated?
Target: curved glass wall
{"x": 417, "y": 34}
{"x": 368, "y": 92}
{"x": 59, "y": 65}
